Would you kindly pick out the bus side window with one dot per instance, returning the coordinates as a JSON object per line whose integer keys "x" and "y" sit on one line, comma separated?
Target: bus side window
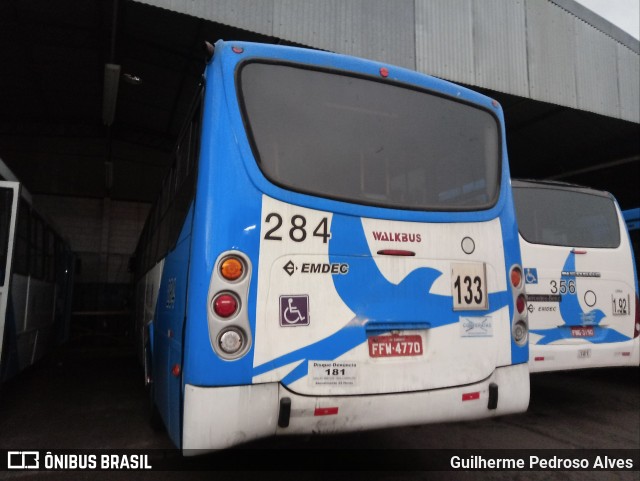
{"x": 169, "y": 211}
{"x": 37, "y": 247}
{"x": 21, "y": 258}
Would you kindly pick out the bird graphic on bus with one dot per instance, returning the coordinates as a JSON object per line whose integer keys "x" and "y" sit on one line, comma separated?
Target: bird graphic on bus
{"x": 378, "y": 304}
{"x": 572, "y": 314}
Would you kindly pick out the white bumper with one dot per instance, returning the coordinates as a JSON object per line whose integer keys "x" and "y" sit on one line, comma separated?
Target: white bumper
{"x": 559, "y": 357}
{"x": 221, "y": 417}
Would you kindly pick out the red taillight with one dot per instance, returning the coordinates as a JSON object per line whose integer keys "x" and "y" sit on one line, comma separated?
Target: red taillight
{"x": 521, "y": 303}
{"x": 516, "y": 277}
{"x": 384, "y": 72}
{"x": 225, "y": 305}
{"x": 175, "y": 370}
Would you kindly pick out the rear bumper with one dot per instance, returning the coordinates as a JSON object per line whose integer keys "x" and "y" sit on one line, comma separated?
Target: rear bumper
{"x": 559, "y": 357}
{"x": 221, "y": 417}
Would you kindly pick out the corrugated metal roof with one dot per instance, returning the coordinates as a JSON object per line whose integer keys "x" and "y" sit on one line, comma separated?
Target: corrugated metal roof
{"x": 444, "y": 39}
{"x": 628, "y": 75}
{"x": 253, "y": 15}
{"x": 551, "y": 54}
{"x": 549, "y": 50}
{"x": 595, "y": 62}
{"x": 500, "y": 48}
{"x": 374, "y": 29}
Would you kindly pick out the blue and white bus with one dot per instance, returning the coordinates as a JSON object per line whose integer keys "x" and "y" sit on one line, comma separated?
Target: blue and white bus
{"x": 36, "y": 280}
{"x": 581, "y": 281}
{"x": 335, "y": 249}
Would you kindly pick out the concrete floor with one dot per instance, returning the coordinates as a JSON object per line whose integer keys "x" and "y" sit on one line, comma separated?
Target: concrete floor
{"x": 92, "y": 397}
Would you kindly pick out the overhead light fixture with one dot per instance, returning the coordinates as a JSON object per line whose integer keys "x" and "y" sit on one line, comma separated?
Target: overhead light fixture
{"x": 131, "y": 79}
{"x": 110, "y": 94}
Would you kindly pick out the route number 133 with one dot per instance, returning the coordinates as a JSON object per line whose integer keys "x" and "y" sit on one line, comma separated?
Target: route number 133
{"x": 469, "y": 286}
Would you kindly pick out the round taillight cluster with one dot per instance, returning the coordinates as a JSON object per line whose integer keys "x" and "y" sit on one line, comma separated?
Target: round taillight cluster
{"x": 520, "y": 328}
{"x": 228, "y": 322}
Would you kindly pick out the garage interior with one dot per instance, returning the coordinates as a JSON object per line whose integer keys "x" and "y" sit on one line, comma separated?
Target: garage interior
{"x": 94, "y": 168}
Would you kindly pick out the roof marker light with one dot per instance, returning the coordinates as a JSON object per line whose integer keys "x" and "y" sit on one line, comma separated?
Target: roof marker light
{"x": 237, "y": 49}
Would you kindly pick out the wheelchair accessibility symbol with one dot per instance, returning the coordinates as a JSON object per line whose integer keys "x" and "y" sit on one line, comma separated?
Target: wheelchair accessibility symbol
{"x": 530, "y": 275}
{"x": 294, "y": 310}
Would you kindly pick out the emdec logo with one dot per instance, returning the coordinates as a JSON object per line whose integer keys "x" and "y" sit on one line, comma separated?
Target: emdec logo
{"x": 23, "y": 460}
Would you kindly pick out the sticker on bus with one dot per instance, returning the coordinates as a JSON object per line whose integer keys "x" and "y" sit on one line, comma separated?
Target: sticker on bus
{"x": 333, "y": 373}
{"x": 620, "y": 304}
{"x": 476, "y": 327}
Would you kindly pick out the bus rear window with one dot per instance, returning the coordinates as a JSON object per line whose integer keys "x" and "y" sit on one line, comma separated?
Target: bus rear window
{"x": 370, "y": 142}
{"x": 566, "y": 217}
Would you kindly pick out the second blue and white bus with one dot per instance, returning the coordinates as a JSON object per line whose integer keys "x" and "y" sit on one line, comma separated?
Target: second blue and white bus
{"x": 335, "y": 249}
{"x": 580, "y": 275}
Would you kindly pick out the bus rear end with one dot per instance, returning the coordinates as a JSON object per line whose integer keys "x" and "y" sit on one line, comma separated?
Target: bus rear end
{"x": 358, "y": 267}
{"x": 580, "y": 277}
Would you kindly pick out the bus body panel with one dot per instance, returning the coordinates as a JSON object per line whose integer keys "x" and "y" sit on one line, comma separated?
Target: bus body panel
{"x": 165, "y": 288}
{"x": 582, "y": 303}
